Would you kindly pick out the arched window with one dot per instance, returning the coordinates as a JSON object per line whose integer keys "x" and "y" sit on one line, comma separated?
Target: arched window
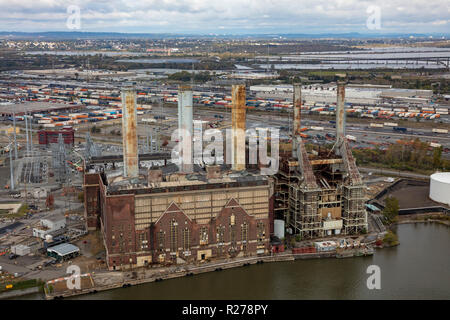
{"x": 186, "y": 239}
{"x": 244, "y": 235}
{"x": 261, "y": 232}
{"x": 233, "y": 230}
{"x": 173, "y": 235}
{"x": 161, "y": 244}
{"x": 220, "y": 239}
{"x": 203, "y": 236}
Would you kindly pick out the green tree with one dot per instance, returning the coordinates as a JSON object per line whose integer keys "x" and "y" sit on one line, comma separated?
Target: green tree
{"x": 391, "y": 208}
{"x": 180, "y": 76}
{"x": 94, "y": 129}
{"x": 390, "y": 238}
{"x": 437, "y": 154}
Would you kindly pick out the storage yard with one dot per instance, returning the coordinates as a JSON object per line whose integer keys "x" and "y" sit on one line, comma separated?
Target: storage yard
{"x": 64, "y": 104}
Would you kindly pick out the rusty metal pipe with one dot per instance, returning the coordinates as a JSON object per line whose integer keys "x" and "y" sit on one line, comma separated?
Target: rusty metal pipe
{"x": 238, "y": 118}
{"x": 340, "y": 111}
{"x": 129, "y": 133}
{"x": 297, "y": 98}
{"x": 297, "y": 109}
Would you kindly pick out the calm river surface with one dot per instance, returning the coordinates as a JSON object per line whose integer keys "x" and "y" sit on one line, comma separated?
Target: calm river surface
{"x": 417, "y": 269}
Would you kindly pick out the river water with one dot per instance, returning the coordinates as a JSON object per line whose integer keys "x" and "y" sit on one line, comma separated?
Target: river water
{"x": 417, "y": 269}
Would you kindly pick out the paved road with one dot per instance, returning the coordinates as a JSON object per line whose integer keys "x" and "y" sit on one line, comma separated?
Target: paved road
{"x": 395, "y": 173}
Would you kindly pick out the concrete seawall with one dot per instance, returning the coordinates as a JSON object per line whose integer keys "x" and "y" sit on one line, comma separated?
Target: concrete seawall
{"x": 18, "y": 293}
{"x": 190, "y": 271}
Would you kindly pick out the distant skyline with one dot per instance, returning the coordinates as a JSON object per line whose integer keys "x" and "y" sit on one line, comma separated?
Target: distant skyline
{"x": 228, "y": 16}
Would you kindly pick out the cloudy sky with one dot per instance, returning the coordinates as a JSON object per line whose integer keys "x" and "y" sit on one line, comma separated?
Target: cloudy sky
{"x": 229, "y": 16}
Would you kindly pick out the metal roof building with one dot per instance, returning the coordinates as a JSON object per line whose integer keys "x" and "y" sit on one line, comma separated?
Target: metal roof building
{"x": 35, "y": 107}
{"x": 63, "y": 251}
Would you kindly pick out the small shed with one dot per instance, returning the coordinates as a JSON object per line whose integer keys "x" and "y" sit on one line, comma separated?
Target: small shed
{"x": 372, "y": 208}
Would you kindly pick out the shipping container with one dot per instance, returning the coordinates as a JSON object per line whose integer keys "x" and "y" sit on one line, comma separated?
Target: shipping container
{"x": 440, "y": 130}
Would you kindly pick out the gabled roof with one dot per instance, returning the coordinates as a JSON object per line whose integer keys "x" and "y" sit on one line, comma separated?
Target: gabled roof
{"x": 173, "y": 207}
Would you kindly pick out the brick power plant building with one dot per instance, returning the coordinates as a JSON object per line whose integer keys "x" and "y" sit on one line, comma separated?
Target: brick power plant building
{"x": 167, "y": 215}
{"x": 164, "y": 215}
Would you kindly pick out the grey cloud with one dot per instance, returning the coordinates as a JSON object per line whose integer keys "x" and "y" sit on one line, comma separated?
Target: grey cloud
{"x": 207, "y": 15}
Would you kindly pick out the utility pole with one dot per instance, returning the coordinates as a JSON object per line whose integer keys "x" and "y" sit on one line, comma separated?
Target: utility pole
{"x": 26, "y": 131}
{"x": 15, "y": 139}
{"x": 31, "y": 135}
{"x": 11, "y": 164}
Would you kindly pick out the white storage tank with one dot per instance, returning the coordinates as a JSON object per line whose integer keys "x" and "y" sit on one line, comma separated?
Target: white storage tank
{"x": 278, "y": 226}
{"x": 440, "y": 187}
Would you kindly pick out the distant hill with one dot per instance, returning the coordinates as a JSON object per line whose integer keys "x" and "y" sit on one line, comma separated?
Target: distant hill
{"x": 65, "y": 35}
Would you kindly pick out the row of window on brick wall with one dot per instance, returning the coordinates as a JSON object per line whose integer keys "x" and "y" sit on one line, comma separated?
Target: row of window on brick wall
{"x": 220, "y": 235}
{"x": 118, "y": 234}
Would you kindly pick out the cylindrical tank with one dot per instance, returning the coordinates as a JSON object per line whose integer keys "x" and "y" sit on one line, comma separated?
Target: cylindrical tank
{"x": 440, "y": 187}
{"x": 278, "y": 228}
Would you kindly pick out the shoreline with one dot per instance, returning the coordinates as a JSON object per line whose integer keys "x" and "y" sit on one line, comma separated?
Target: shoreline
{"x": 122, "y": 279}
{"x": 186, "y": 271}
{"x": 424, "y": 218}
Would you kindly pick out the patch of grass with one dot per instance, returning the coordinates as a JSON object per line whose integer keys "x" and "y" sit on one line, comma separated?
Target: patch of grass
{"x": 23, "y": 210}
{"x": 24, "y": 284}
{"x": 4, "y": 213}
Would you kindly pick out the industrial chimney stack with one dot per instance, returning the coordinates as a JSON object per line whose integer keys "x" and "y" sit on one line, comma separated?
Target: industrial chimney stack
{"x": 129, "y": 133}
{"x": 297, "y": 116}
{"x": 185, "y": 124}
{"x": 340, "y": 111}
{"x": 238, "y": 116}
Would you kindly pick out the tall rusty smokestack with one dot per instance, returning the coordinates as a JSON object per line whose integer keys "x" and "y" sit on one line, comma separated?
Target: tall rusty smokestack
{"x": 185, "y": 124}
{"x": 297, "y": 116}
{"x": 129, "y": 133}
{"x": 340, "y": 111}
{"x": 238, "y": 127}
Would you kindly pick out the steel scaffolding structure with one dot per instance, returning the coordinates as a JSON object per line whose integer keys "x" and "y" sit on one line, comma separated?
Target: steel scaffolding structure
{"x": 329, "y": 197}
{"x": 60, "y": 160}
{"x": 304, "y": 198}
{"x": 354, "y": 214}
{"x": 91, "y": 149}
{"x": 303, "y": 208}
{"x": 151, "y": 144}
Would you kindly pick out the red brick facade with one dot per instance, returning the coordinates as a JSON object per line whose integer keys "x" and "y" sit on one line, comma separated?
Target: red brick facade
{"x": 174, "y": 235}
{"x": 92, "y": 203}
{"x": 233, "y": 233}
